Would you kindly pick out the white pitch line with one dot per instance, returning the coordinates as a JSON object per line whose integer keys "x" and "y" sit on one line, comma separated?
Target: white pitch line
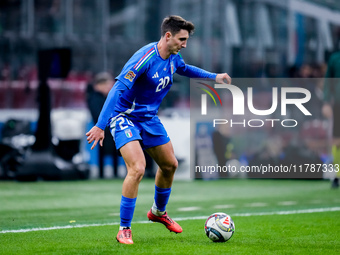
{"x": 224, "y": 206}
{"x": 259, "y": 204}
{"x": 313, "y": 210}
{"x": 189, "y": 209}
{"x": 287, "y": 203}
{"x": 114, "y": 214}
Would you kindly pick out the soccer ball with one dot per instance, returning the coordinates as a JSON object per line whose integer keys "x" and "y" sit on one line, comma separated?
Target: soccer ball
{"x": 219, "y": 227}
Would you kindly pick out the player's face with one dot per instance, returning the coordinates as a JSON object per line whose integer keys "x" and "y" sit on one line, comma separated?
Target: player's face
{"x": 178, "y": 41}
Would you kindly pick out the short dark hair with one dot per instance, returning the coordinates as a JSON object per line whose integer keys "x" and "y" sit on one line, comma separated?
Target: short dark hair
{"x": 174, "y": 24}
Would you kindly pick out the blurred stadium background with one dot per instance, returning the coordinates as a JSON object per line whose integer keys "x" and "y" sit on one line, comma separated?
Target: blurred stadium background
{"x": 246, "y": 38}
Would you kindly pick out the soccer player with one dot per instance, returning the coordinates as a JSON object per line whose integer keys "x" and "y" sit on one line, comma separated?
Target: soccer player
{"x": 131, "y": 111}
{"x": 332, "y": 96}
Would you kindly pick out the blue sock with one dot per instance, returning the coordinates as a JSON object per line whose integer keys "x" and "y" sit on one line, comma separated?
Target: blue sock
{"x": 162, "y": 197}
{"x": 127, "y": 208}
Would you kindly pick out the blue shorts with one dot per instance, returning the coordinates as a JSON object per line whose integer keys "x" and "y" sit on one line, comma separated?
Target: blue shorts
{"x": 150, "y": 133}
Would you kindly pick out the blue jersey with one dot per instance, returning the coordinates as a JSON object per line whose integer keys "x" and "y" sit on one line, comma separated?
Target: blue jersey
{"x": 147, "y": 78}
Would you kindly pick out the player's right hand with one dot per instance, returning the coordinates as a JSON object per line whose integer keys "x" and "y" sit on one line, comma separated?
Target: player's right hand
{"x": 222, "y": 77}
{"x": 95, "y": 134}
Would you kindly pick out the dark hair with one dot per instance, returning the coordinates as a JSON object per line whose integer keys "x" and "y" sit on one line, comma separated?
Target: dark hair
{"x": 174, "y": 24}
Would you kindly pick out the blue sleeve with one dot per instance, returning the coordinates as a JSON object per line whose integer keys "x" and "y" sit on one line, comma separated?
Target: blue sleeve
{"x": 109, "y": 105}
{"x": 193, "y": 71}
{"x": 136, "y": 65}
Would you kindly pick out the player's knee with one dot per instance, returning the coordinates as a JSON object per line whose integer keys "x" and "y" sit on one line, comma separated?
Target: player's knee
{"x": 137, "y": 171}
{"x": 170, "y": 167}
{"x": 175, "y": 165}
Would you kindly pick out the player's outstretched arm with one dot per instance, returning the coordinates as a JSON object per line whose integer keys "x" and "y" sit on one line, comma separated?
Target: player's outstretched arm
{"x": 196, "y": 72}
{"x": 97, "y": 135}
{"x": 223, "y": 78}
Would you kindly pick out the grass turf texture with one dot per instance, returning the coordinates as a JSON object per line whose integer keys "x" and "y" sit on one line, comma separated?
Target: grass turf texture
{"x": 49, "y": 204}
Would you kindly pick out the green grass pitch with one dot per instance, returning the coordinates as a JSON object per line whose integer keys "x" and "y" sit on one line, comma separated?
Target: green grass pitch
{"x": 271, "y": 217}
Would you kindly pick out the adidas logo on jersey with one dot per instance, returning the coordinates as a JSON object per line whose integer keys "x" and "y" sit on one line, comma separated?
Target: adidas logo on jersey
{"x": 155, "y": 75}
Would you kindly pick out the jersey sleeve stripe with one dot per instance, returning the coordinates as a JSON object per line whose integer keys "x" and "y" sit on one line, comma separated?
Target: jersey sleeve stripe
{"x": 156, "y": 49}
{"x": 142, "y": 58}
{"x": 145, "y": 59}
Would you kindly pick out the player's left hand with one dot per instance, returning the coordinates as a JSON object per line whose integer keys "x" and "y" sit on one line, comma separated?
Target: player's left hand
{"x": 95, "y": 135}
{"x": 221, "y": 77}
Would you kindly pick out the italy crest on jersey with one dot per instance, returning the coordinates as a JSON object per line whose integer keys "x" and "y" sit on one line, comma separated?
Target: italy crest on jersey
{"x": 172, "y": 67}
{"x": 128, "y": 133}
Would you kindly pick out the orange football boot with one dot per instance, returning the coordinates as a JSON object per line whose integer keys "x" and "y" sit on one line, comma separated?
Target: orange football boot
{"x": 169, "y": 223}
{"x": 124, "y": 236}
